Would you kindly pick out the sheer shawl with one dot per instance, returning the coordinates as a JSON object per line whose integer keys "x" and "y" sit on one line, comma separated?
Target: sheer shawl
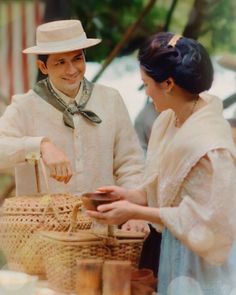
{"x": 176, "y": 155}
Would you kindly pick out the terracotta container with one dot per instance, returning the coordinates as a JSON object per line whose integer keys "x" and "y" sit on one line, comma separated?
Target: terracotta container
{"x": 143, "y": 282}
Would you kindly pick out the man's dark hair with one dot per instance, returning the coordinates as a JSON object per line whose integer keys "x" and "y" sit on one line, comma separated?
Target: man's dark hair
{"x": 43, "y": 58}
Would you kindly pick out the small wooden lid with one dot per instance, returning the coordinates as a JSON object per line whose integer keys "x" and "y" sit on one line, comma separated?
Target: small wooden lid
{"x": 126, "y": 234}
{"x": 80, "y": 236}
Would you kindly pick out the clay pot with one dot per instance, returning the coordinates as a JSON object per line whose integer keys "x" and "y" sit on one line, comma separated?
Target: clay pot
{"x": 143, "y": 282}
{"x": 143, "y": 274}
{"x": 92, "y": 200}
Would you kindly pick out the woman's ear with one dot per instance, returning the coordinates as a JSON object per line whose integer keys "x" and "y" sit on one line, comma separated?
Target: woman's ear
{"x": 42, "y": 67}
{"x": 169, "y": 85}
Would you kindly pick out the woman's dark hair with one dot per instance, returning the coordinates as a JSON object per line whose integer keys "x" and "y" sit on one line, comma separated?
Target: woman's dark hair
{"x": 188, "y": 62}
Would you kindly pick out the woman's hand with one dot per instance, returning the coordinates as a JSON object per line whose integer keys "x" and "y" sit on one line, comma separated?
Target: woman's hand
{"x": 117, "y": 191}
{"x": 133, "y": 196}
{"x": 114, "y": 213}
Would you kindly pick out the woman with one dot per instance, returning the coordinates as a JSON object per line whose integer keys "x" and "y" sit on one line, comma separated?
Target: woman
{"x": 189, "y": 182}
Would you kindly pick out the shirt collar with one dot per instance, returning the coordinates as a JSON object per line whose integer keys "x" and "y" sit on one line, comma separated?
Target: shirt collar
{"x": 67, "y": 99}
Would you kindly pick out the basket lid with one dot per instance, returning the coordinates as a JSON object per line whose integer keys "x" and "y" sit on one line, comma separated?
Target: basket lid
{"x": 79, "y": 236}
{"x": 126, "y": 234}
{"x": 36, "y": 204}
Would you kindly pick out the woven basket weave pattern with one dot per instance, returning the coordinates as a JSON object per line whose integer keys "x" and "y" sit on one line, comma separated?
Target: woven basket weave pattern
{"x": 60, "y": 261}
{"x": 60, "y": 255}
{"x": 127, "y": 250}
{"x": 22, "y": 216}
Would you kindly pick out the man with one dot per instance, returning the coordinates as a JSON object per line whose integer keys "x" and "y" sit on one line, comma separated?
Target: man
{"x": 81, "y": 131}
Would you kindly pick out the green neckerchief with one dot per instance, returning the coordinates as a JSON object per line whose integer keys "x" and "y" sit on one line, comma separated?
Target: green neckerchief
{"x": 44, "y": 89}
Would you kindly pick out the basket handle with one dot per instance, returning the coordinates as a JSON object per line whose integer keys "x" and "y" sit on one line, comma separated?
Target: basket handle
{"x": 36, "y": 171}
{"x": 73, "y": 218}
{"x": 37, "y": 175}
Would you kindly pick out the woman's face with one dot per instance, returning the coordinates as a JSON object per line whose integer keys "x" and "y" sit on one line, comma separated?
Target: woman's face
{"x": 154, "y": 90}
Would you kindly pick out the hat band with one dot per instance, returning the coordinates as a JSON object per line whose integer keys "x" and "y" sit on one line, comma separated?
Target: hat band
{"x": 70, "y": 42}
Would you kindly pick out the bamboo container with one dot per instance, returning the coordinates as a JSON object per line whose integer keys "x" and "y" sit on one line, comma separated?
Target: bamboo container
{"x": 89, "y": 276}
{"x": 116, "y": 277}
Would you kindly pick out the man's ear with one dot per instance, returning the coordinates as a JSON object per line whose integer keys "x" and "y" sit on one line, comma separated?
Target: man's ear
{"x": 42, "y": 67}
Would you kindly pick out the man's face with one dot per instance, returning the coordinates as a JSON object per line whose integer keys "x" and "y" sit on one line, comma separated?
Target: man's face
{"x": 65, "y": 70}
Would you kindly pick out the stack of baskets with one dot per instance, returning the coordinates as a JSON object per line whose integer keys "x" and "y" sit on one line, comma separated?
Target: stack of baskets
{"x": 20, "y": 219}
{"x": 61, "y": 250}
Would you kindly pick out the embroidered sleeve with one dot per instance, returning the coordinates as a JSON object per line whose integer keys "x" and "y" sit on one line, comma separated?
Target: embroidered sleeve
{"x": 205, "y": 219}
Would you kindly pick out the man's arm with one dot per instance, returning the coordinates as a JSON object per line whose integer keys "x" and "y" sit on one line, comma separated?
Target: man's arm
{"x": 16, "y": 148}
{"x": 15, "y": 145}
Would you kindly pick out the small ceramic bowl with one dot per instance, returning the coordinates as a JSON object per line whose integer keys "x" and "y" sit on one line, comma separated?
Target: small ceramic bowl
{"x": 92, "y": 200}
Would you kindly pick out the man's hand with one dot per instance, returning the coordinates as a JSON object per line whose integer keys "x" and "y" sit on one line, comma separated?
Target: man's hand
{"x": 56, "y": 161}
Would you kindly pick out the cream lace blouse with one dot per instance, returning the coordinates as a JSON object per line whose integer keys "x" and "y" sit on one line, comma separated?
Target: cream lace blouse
{"x": 191, "y": 176}
{"x": 205, "y": 207}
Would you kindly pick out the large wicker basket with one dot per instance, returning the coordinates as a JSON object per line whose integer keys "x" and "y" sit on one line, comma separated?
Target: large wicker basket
{"x": 61, "y": 250}
{"x": 21, "y": 217}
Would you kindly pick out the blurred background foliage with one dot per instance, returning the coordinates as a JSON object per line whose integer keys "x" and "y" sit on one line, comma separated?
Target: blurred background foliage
{"x": 210, "y": 21}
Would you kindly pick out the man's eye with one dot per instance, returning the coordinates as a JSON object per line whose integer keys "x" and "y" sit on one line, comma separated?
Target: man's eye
{"x": 60, "y": 62}
{"x": 79, "y": 57}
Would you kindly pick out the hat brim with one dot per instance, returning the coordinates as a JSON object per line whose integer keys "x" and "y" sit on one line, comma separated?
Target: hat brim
{"x": 228, "y": 61}
{"x": 61, "y": 49}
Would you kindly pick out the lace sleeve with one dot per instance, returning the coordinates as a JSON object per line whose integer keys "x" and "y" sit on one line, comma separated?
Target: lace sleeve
{"x": 205, "y": 219}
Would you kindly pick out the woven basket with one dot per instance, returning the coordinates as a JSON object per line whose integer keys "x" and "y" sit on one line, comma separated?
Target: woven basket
{"x": 61, "y": 250}
{"x": 125, "y": 245}
{"x": 21, "y": 217}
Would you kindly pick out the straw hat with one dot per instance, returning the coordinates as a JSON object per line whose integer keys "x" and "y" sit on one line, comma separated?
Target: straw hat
{"x": 228, "y": 61}
{"x": 60, "y": 36}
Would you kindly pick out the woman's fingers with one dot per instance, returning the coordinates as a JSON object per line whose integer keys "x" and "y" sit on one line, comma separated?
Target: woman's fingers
{"x": 96, "y": 214}
{"x": 106, "y": 189}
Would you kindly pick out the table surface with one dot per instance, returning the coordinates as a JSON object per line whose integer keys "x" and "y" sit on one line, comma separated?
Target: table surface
{"x": 43, "y": 289}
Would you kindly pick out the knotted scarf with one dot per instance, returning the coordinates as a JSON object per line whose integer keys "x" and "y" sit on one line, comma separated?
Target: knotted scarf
{"x": 44, "y": 89}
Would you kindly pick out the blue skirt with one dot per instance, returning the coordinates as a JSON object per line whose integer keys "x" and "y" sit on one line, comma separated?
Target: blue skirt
{"x": 181, "y": 272}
